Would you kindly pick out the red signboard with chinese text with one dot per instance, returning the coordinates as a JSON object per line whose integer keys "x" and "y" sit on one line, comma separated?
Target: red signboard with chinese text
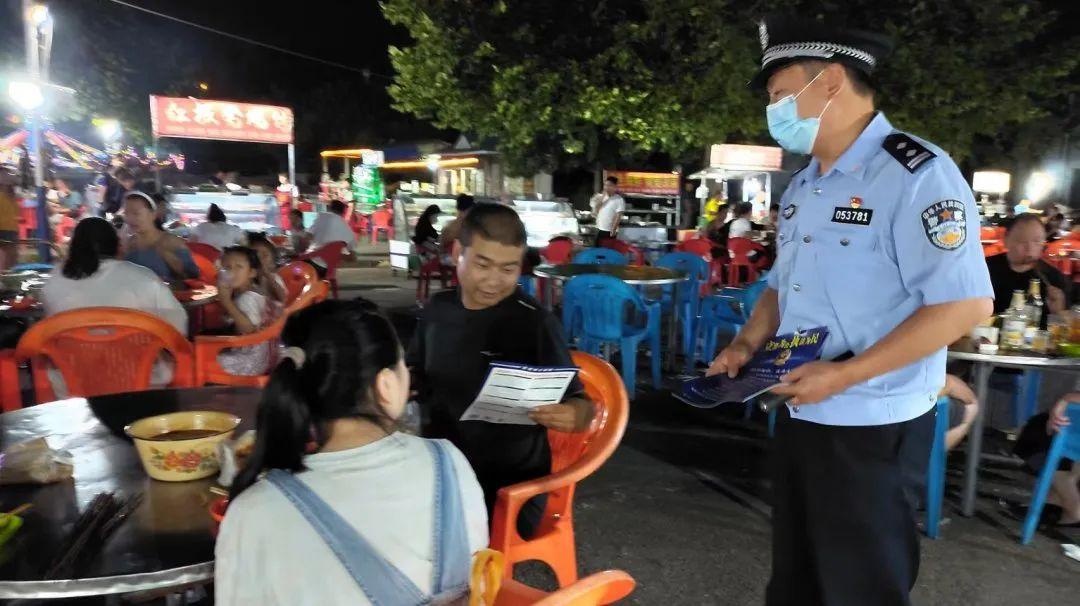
{"x": 637, "y": 182}
{"x": 221, "y": 120}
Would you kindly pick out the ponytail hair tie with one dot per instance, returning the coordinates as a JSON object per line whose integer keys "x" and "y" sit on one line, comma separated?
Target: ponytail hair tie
{"x": 295, "y": 354}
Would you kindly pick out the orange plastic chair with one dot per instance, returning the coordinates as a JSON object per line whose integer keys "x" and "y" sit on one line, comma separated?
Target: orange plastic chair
{"x": 739, "y": 249}
{"x": 330, "y": 254}
{"x": 10, "y": 398}
{"x": 198, "y": 248}
{"x": 994, "y": 248}
{"x": 1059, "y": 254}
{"x": 27, "y": 221}
{"x": 207, "y": 369}
{"x": 207, "y": 270}
{"x": 381, "y": 222}
{"x": 600, "y": 588}
{"x": 299, "y": 277}
{"x": 573, "y": 457}
{"x": 102, "y": 350}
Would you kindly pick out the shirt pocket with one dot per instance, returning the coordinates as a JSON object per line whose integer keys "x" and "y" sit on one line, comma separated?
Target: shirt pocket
{"x": 863, "y": 285}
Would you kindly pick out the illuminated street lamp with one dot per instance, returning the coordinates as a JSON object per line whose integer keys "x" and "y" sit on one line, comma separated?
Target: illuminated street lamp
{"x": 26, "y": 95}
{"x": 108, "y": 128}
{"x": 38, "y": 14}
{"x": 204, "y": 86}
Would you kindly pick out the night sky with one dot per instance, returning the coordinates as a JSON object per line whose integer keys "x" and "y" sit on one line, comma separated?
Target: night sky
{"x": 349, "y": 110}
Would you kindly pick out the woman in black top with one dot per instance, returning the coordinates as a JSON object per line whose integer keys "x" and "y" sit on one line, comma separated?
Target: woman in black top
{"x": 425, "y": 236}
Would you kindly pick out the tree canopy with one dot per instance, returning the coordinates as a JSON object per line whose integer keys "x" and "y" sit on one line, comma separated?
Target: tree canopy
{"x": 564, "y": 84}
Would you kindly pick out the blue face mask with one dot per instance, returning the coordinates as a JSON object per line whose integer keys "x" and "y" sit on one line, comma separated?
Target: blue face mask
{"x": 793, "y": 133}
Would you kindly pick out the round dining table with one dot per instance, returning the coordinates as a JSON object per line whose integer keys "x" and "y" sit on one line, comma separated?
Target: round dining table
{"x": 631, "y": 274}
{"x": 984, "y": 366}
{"x": 166, "y": 543}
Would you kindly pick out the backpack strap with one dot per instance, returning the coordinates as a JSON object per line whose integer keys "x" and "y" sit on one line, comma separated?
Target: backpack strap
{"x": 381, "y": 582}
{"x": 451, "y": 560}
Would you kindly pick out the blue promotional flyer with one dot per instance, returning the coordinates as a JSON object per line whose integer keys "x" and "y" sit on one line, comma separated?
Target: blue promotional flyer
{"x": 779, "y": 356}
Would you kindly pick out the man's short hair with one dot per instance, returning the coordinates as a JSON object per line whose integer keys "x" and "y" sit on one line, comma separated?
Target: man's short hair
{"x": 123, "y": 174}
{"x": 612, "y": 180}
{"x": 774, "y": 206}
{"x": 1021, "y": 219}
{"x": 494, "y": 222}
{"x": 338, "y": 207}
{"x": 861, "y": 83}
{"x": 464, "y": 202}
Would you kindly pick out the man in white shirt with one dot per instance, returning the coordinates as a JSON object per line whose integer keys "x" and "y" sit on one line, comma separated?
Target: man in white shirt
{"x": 608, "y": 207}
{"x": 741, "y": 225}
{"x": 331, "y": 227}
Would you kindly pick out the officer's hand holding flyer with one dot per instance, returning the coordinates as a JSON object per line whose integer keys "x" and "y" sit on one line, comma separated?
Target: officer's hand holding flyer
{"x": 779, "y": 356}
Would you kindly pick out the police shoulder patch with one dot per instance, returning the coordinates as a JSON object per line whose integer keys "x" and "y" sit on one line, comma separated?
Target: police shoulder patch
{"x": 907, "y": 151}
{"x": 945, "y": 224}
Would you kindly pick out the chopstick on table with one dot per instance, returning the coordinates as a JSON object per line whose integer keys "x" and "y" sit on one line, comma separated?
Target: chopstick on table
{"x": 21, "y": 509}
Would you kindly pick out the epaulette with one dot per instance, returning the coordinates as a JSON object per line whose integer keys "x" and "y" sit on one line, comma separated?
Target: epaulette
{"x": 907, "y": 151}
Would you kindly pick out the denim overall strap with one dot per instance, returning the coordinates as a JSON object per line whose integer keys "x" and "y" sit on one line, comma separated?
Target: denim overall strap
{"x": 452, "y": 559}
{"x": 382, "y": 583}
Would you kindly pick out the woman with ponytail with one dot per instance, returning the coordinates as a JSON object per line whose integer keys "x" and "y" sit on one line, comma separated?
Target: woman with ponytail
{"x": 335, "y": 505}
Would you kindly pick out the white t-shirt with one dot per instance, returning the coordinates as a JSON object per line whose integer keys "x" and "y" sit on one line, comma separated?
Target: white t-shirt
{"x": 115, "y": 284}
{"x": 219, "y": 235}
{"x": 740, "y": 228}
{"x": 328, "y": 228}
{"x": 267, "y": 553}
{"x": 253, "y": 359}
{"x": 606, "y": 210}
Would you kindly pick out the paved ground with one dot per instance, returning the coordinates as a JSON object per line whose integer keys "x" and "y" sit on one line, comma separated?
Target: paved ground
{"x": 683, "y": 505}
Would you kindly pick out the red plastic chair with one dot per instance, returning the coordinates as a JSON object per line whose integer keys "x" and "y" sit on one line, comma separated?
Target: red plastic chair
{"x": 199, "y": 248}
{"x": 63, "y": 230}
{"x": 381, "y": 222}
{"x": 300, "y": 278}
{"x": 1059, "y": 254}
{"x": 698, "y": 246}
{"x": 559, "y": 251}
{"x": 632, "y": 252}
{"x": 433, "y": 268}
{"x": 27, "y": 222}
{"x": 331, "y": 255}
{"x": 103, "y": 350}
{"x": 207, "y": 369}
{"x": 10, "y": 397}
{"x": 739, "y": 249}
{"x": 574, "y": 456}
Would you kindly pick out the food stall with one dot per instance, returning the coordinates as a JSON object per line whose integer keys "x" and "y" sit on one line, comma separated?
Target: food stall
{"x": 651, "y": 197}
{"x": 250, "y": 210}
{"x": 753, "y": 165}
{"x": 543, "y": 219}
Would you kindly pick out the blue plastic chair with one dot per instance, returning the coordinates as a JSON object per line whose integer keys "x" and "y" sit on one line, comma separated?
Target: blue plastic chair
{"x": 527, "y": 285}
{"x": 1026, "y": 397}
{"x": 1066, "y": 445}
{"x": 40, "y": 267}
{"x": 689, "y": 296}
{"x": 600, "y": 256}
{"x": 935, "y": 472}
{"x": 730, "y": 309}
{"x": 596, "y": 308}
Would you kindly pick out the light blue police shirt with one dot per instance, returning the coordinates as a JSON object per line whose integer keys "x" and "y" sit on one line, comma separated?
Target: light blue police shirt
{"x": 889, "y": 229}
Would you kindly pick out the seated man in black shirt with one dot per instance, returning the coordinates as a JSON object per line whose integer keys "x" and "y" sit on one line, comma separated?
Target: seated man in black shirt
{"x": 1025, "y": 240}
{"x": 487, "y": 319}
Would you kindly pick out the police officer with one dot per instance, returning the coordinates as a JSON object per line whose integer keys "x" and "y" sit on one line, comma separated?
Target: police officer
{"x": 878, "y": 242}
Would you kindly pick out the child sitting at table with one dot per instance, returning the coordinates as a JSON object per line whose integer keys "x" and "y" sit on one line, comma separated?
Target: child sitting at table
{"x": 246, "y": 310}
{"x": 271, "y": 285}
{"x": 342, "y": 483}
